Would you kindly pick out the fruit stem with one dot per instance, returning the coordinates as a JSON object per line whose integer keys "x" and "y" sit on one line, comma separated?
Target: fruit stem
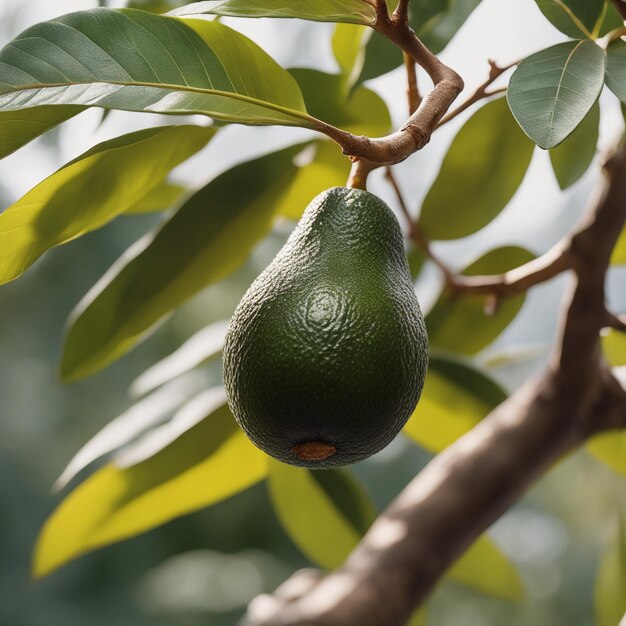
{"x": 359, "y": 173}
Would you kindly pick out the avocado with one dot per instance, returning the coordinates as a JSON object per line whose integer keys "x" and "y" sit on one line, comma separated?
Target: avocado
{"x": 325, "y": 356}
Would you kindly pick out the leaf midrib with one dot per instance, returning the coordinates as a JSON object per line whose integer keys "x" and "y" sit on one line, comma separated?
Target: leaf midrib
{"x": 173, "y": 87}
{"x": 559, "y": 86}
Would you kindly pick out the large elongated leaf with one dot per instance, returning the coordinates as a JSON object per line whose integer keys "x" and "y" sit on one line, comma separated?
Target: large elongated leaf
{"x": 483, "y": 169}
{"x": 208, "y": 238}
{"x": 90, "y": 191}
{"x": 610, "y": 587}
{"x": 204, "y": 345}
{"x": 361, "y": 112}
{"x": 456, "y": 397}
{"x": 572, "y": 158}
{"x": 137, "y": 61}
{"x": 461, "y": 324}
{"x": 575, "y": 18}
{"x": 325, "y": 513}
{"x": 350, "y": 11}
{"x": 163, "y": 196}
{"x": 17, "y": 128}
{"x": 551, "y": 92}
{"x": 614, "y": 348}
{"x": 126, "y": 427}
{"x": 616, "y": 69}
{"x": 208, "y": 463}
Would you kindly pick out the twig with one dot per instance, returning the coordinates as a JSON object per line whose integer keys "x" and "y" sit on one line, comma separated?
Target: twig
{"x": 557, "y": 260}
{"x": 412, "y": 89}
{"x": 495, "y": 71}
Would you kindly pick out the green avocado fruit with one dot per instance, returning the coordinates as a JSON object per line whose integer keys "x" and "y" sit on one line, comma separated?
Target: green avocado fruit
{"x": 326, "y": 354}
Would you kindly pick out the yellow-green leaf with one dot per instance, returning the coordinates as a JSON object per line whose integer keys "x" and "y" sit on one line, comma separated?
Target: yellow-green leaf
{"x": 163, "y": 196}
{"x": 614, "y": 347}
{"x": 349, "y": 49}
{"x": 328, "y": 168}
{"x": 204, "y": 241}
{"x": 484, "y": 568}
{"x": 610, "y": 449}
{"x": 208, "y": 463}
{"x": 325, "y": 513}
{"x": 90, "y": 191}
{"x": 610, "y": 588}
{"x": 481, "y": 172}
{"x": 455, "y": 398}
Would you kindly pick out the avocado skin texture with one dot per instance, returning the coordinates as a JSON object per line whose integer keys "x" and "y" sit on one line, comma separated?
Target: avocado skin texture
{"x": 329, "y": 343}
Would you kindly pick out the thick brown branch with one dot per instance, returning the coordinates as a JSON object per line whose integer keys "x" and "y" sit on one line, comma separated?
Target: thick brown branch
{"x": 467, "y": 487}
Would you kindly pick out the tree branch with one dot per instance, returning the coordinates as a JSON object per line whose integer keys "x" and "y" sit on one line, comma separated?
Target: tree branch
{"x": 468, "y": 486}
{"x": 416, "y": 132}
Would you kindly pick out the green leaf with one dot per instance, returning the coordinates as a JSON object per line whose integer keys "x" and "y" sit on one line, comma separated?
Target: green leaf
{"x": 551, "y": 92}
{"x": 574, "y": 18}
{"x": 618, "y": 256}
{"x": 210, "y": 462}
{"x": 616, "y": 69}
{"x": 484, "y": 568}
{"x": 610, "y": 449}
{"x": 460, "y": 324}
{"x": 611, "y": 20}
{"x": 17, "y": 128}
{"x": 324, "y": 512}
{"x": 162, "y": 196}
{"x": 138, "y": 419}
{"x": 614, "y": 347}
{"x": 328, "y": 168}
{"x": 219, "y": 225}
{"x": 362, "y": 112}
{"x": 456, "y": 397}
{"x": 90, "y": 191}
{"x": 348, "y": 45}
{"x": 107, "y": 58}
{"x": 350, "y": 11}
{"x": 610, "y": 587}
{"x": 198, "y": 349}
{"x": 436, "y": 30}
{"x": 572, "y": 158}
{"x": 481, "y": 172}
